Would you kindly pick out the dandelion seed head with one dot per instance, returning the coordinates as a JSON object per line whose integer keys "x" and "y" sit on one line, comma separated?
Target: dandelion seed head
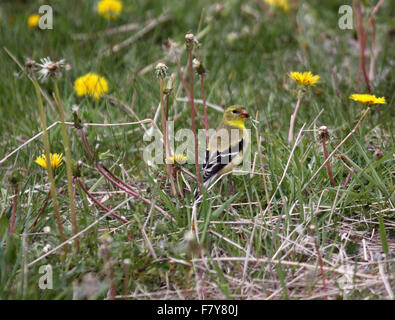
{"x": 50, "y": 68}
{"x": 172, "y": 50}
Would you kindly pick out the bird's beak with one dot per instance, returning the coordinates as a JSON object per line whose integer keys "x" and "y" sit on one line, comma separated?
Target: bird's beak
{"x": 244, "y": 114}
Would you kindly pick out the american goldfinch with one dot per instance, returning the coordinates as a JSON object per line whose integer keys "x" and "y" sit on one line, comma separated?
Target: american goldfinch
{"x": 226, "y": 145}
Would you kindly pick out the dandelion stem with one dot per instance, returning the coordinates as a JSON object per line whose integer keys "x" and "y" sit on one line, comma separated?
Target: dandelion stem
{"x": 348, "y": 179}
{"x": 165, "y": 137}
{"x": 167, "y": 107}
{"x": 41, "y": 211}
{"x": 69, "y": 172}
{"x": 191, "y": 99}
{"x": 99, "y": 203}
{"x": 14, "y": 206}
{"x": 48, "y": 160}
{"x": 292, "y": 122}
{"x": 86, "y": 145}
{"x": 184, "y": 85}
{"x": 117, "y": 178}
{"x": 328, "y": 164}
{"x": 122, "y": 185}
{"x": 365, "y": 35}
{"x": 321, "y": 265}
{"x": 337, "y": 148}
{"x": 204, "y": 107}
{"x": 128, "y": 190}
{"x": 362, "y": 34}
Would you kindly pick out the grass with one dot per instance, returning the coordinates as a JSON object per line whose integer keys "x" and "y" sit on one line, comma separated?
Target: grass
{"x": 248, "y": 50}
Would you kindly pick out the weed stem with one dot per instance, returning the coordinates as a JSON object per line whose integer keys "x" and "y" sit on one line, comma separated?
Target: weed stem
{"x": 48, "y": 160}
{"x": 69, "y": 172}
{"x": 14, "y": 206}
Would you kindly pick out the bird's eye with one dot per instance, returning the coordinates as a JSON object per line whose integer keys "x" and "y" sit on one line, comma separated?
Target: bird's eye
{"x": 235, "y": 111}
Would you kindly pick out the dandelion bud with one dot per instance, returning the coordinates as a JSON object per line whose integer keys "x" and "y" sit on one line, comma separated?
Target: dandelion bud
{"x": 170, "y": 84}
{"x": 189, "y": 37}
{"x": 192, "y": 245}
{"x": 31, "y": 65}
{"x": 198, "y": 66}
{"x": 312, "y": 229}
{"x": 189, "y": 236}
{"x": 323, "y": 133}
{"x": 190, "y": 40}
{"x": 231, "y": 37}
{"x": 196, "y": 63}
{"x": 77, "y": 119}
{"x": 161, "y": 70}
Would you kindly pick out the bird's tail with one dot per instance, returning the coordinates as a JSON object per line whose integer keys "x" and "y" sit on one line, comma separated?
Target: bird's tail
{"x": 206, "y": 183}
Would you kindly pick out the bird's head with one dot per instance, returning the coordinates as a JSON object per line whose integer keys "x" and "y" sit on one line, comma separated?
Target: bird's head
{"x": 236, "y": 116}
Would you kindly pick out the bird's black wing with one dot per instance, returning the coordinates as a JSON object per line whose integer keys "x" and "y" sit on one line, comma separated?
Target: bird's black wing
{"x": 219, "y": 160}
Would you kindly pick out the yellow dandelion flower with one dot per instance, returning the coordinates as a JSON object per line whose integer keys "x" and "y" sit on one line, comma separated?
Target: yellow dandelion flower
{"x": 56, "y": 160}
{"x": 92, "y": 85}
{"x": 305, "y": 78}
{"x": 33, "y": 20}
{"x": 367, "y": 99}
{"x": 179, "y": 158}
{"x": 109, "y": 9}
{"x": 283, "y": 4}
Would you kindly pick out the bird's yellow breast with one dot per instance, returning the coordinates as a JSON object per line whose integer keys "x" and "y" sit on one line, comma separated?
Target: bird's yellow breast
{"x": 238, "y": 123}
